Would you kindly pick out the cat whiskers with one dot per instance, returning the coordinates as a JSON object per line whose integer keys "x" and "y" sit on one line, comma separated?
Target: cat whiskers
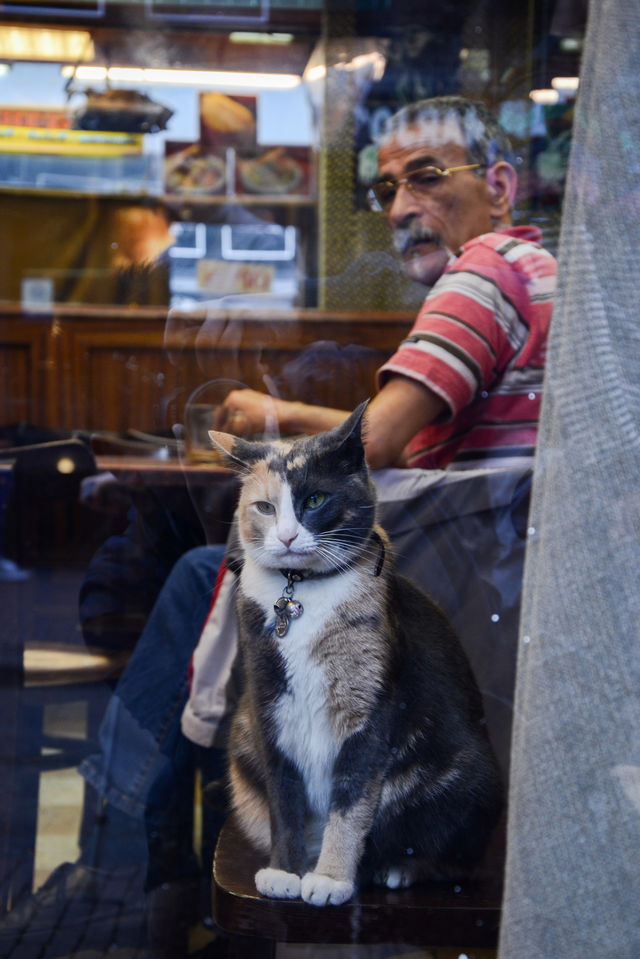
{"x": 336, "y": 550}
{"x": 343, "y": 552}
{"x": 260, "y": 551}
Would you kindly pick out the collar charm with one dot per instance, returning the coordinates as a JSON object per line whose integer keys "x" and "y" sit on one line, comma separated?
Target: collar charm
{"x": 287, "y": 608}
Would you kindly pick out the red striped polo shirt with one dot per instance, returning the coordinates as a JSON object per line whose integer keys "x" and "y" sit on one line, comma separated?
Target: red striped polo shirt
{"x": 479, "y": 343}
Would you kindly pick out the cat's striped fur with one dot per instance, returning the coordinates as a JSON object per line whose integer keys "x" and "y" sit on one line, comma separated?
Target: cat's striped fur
{"x": 358, "y": 751}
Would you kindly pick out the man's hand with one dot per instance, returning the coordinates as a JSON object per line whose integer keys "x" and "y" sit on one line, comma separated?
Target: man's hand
{"x": 257, "y": 410}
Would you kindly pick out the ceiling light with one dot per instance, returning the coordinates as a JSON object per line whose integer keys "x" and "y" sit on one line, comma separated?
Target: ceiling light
{"x": 372, "y": 62}
{"x": 217, "y": 79}
{"x": 29, "y": 43}
{"x": 319, "y": 72}
{"x": 245, "y": 36}
{"x": 88, "y": 73}
{"x": 565, "y": 84}
{"x": 375, "y": 62}
{"x": 546, "y": 96}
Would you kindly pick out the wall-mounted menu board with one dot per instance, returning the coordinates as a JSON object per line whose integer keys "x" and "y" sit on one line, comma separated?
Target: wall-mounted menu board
{"x": 228, "y": 11}
{"x": 55, "y": 8}
{"x": 221, "y": 12}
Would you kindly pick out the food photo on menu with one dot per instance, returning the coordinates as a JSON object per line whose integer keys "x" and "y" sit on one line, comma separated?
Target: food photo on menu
{"x": 228, "y": 122}
{"x": 278, "y": 170}
{"x": 228, "y": 158}
{"x": 190, "y": 169}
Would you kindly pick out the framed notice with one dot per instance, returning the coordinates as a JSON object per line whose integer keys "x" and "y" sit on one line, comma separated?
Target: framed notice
{"x": 223, "y": 13}
{"x": 53, "y": 8}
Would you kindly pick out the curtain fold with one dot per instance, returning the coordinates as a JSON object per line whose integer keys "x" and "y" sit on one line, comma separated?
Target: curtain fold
{"x": 573, "y": 879}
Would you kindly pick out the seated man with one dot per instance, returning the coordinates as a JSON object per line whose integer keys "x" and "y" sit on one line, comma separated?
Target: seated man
{"x": 463, "y": 389}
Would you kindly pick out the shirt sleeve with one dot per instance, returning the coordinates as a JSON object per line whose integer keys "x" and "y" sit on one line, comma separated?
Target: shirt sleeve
{"x": 465, "y": 333}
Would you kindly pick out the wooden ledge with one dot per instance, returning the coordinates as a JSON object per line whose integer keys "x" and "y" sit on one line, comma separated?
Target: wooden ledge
{"x": 63, "y": 665}
{"x": 465, "y": 914}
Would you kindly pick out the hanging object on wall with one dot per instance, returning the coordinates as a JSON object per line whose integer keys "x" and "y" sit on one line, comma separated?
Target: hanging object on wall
{"x": 122, "y": 111}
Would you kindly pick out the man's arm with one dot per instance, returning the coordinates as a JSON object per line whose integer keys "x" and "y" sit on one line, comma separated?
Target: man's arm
{"x": 262, "y": 412}
{"x": 401, "y": 408}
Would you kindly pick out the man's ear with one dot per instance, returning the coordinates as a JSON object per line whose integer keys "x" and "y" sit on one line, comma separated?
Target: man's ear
{"x": 502, "y": 181}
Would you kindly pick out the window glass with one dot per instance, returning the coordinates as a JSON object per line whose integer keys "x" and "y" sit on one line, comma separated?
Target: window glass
{"x": 199, "y": 203}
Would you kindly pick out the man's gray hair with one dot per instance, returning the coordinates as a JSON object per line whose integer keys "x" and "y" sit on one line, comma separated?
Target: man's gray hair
{"x": 486, "y": 142}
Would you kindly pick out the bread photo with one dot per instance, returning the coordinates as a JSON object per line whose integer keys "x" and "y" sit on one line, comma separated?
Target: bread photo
{"x": 223, "y": 114}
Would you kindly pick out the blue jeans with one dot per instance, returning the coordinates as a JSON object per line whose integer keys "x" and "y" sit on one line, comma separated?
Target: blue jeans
{"x": 144, "y": 753}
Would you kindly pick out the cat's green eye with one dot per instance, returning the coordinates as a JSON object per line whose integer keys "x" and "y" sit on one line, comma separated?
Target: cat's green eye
{"x": 264, "y": 507}
{"x": 315, "y": 500}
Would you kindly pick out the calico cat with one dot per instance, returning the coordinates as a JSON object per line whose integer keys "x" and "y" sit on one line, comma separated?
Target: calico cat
{"x": 360, "y": 730}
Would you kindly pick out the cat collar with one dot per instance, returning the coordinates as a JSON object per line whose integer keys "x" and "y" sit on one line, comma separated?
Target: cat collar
{"x": 287, "y": 608}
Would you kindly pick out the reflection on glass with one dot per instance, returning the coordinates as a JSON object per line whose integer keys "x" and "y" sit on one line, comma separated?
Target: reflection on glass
{"x": 165, "y": 230}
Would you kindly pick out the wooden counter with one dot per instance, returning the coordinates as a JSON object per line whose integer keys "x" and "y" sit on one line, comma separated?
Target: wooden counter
{"x": 147, "y": 471}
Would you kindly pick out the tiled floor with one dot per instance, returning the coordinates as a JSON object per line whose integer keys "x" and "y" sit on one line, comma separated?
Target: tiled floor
{"x": 61, "y": 796}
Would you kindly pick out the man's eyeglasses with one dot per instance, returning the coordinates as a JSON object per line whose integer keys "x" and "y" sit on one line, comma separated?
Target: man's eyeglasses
{"x": 419, "y": 182}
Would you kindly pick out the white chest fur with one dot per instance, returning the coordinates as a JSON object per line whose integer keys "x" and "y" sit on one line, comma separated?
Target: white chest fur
{"x": 305, "y": 732}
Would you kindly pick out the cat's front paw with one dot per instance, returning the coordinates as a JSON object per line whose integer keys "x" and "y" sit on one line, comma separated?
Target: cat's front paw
{"x": 277, "y": 884}
{"x": 319, "y": 890}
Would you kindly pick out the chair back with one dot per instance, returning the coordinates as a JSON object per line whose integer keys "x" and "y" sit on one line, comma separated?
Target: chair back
{"x": 42, "y": 502}
{"x": 461, "y": 537}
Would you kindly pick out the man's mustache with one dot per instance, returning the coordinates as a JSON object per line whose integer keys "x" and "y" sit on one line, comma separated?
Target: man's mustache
{"x": 406, "y": 237}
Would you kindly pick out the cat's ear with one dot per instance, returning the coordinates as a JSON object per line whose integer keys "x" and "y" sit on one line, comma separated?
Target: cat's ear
{"x": 350, "y": 434}
{"x": 239, "y": 454}
{"x": 353, "y": 425}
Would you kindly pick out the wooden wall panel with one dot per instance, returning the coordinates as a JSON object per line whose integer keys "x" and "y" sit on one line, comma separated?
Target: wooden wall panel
{"x": 121, "y": 379}
{"x": 23, "y": 369}
{"x": 136, "y": 369}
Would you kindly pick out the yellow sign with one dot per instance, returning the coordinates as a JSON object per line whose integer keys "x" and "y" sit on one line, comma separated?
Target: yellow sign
{"x": 15, "y": 139}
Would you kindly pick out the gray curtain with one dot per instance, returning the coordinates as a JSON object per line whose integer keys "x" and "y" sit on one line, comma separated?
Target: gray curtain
{"x": 573, "y": 862}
